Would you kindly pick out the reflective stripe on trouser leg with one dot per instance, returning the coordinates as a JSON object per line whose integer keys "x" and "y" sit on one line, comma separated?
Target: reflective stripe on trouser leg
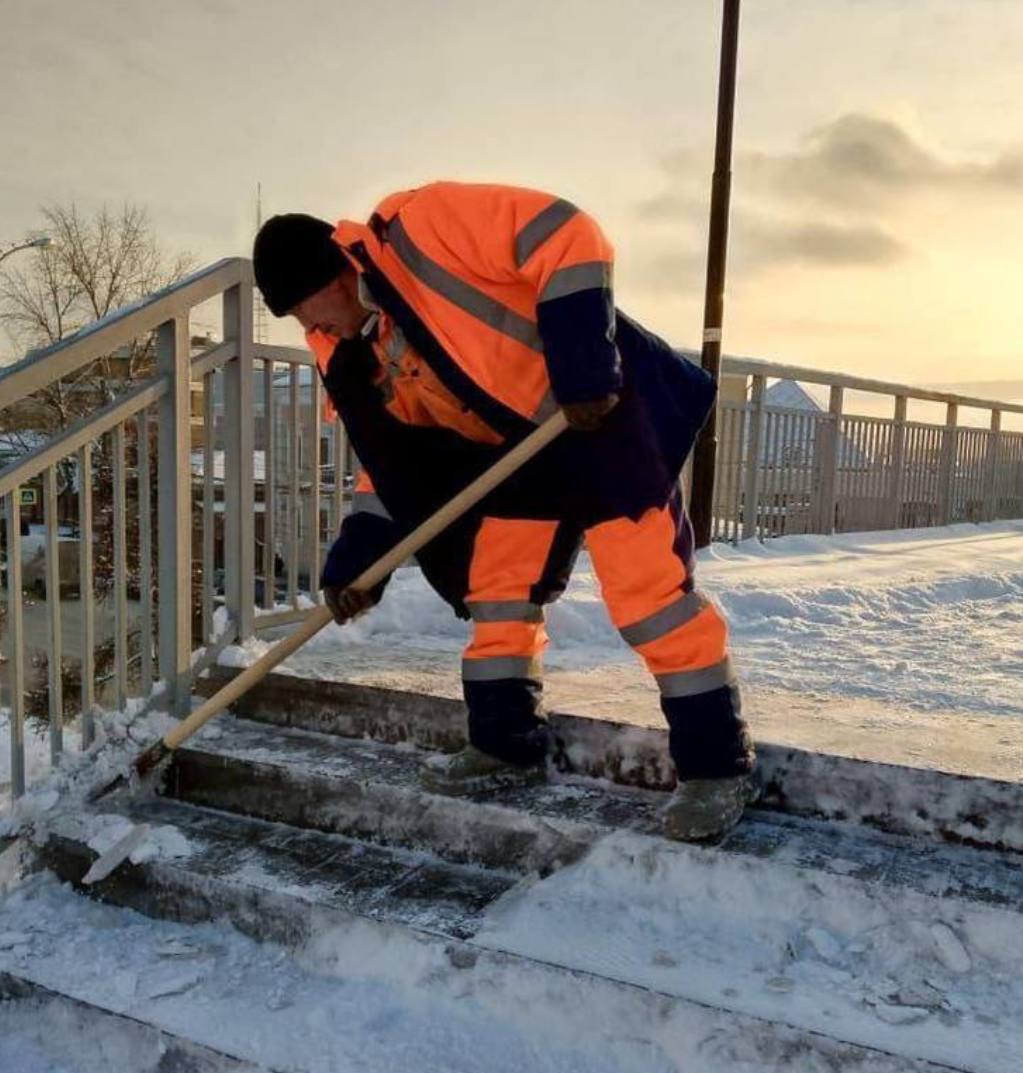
{"x": 501, "y": 668}
{"x": 681, "y": 636}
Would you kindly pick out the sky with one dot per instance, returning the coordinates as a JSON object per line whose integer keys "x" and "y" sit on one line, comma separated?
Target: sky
{"x": 876, "y": 222}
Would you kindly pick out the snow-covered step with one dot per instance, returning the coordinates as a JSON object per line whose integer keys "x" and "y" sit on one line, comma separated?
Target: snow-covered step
{"x": 833, "y": 956}
{"x": 915, "y": 801}
{"x": 42, "y": 1029}
{"x": 371, "y": 792}
{"x": 220, "y": 863}
{"x": 356, "y": 995}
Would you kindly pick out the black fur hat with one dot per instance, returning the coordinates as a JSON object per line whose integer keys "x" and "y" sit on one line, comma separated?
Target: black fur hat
{"x": 293, "y": 257}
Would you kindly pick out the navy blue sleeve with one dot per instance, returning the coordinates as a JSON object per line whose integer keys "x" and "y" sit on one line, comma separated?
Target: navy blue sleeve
{"x": 578, "y": 332}
{"x": 364, "y": 538}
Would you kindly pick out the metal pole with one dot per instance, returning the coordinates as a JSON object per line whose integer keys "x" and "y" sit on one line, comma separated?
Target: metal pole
{"x": 705, "y": 456}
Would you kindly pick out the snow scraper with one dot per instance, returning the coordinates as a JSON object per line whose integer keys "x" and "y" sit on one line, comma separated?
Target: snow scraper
{"x": 156, "y": 754}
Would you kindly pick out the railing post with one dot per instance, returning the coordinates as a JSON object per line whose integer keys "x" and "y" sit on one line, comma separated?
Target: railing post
{"x": 947, "y": 474}
{"x": 829, "y": 461}
{"x": 175, "y": 512}
{"x": 15, "y": 643}
{"x": 754, "y": 446}
{"x": 239, "y": 412}
{"x": 897, "y": 463}
{"x": 55, "y": 646}
{"x": 994, "y": 444}
{"x": 313, "y": 433}
{"x": 85, "y": 594}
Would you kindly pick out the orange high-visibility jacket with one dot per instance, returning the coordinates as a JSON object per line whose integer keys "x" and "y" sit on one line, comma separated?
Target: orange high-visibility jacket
{"x": 515, "y": 286}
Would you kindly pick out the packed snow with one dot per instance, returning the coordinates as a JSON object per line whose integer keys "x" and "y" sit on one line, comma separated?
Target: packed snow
{"x": 930, "y": 619}
{"x": 659, "y": 939}
{"x": 923, "y": 619}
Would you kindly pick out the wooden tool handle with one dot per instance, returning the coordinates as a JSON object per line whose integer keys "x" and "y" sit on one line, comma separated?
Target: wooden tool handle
{"x": 372, "y": 575}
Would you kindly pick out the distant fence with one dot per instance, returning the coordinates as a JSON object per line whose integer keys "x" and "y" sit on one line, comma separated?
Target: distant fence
{"x": 787, "y": 470}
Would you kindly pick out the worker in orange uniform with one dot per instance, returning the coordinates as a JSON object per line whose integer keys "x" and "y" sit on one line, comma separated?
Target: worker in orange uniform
{"x": 446, "y": 329}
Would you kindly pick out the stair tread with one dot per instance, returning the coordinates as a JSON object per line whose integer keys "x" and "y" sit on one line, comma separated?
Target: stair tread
{"x": 595, "y": 808}
{"x": 333, "y": 871}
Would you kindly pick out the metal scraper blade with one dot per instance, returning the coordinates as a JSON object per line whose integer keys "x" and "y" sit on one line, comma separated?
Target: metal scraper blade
{"x": 119, "y": 852}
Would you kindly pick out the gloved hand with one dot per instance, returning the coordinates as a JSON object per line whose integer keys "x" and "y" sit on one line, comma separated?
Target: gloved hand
{"x": 588, "y": 416}
{"x": 346, "y": 604}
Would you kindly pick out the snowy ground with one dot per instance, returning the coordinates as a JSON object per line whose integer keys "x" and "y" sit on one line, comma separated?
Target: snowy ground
{"x": 925, "y": 619}
{"x": 796, "y": 948}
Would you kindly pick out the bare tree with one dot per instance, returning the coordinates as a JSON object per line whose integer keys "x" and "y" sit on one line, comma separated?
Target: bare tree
{"x": 95, "y": 264}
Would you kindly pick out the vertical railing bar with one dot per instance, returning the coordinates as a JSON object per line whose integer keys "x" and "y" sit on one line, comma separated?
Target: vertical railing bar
{"x": 239, "y": 514}
{"x": 269, "y": 491}
{"x": 772, "y": 474}
{"x": 145, "y": 508}
{"x": 174, "y": 506}
{"x": 313, "y": 454}
{"x": 833, "y": 458}
{"x": 85, "y": 593}
{"x": 55, "y": 640}
{"x": 991, "y": 468}
{"x": 15, "y": 644}
{"x": 209, "y": 501}
{"x": 754, "y": 443}
{"x": 856, "y": 425}
{"x": 339, "y": 477}
{"x": 780, "y": 467}
{"x": 897, "y": 455}
{"x": 120, "y": 568}
{"x": 786, "y": 472}
{"x": 779, "y": 475}
{"x": 875, "y": 466}
{"x": 293, "y": 484}
{"x": 949, "y": 453}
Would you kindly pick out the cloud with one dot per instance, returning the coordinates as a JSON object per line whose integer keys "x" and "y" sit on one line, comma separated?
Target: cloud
{"x": 816, "y": 243}
{"x": 759, "y": 244}
{"x": 860, "y": 161}
{"x": 856, "y": 164}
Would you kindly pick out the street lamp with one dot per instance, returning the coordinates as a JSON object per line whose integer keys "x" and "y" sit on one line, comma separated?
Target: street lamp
{"x": 41, "y": 242}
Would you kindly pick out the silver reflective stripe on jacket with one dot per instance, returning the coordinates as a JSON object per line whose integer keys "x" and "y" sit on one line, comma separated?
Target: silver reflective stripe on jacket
{"x": 591, "y": 275}
{"x": 462, "y": 294}
{"x": 540, "y": 229}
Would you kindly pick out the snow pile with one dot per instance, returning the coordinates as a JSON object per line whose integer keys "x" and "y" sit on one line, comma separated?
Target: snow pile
{"x": 56, "y": 799}
{"x": 929, "y": 619}
{"x": 859, "y": 961}
{"x": 358, "y": 997}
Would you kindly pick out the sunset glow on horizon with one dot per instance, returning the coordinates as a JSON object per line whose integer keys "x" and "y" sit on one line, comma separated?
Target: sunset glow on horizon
{"x": 878, "y": 173}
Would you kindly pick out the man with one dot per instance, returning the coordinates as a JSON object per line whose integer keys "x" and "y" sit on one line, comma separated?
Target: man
{"x": 445, "y": 330}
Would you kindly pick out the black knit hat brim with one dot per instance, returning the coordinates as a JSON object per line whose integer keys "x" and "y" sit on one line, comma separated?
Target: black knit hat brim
{"x": 293, "y": 257}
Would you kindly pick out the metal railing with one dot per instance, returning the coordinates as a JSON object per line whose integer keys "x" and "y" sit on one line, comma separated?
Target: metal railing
{"x": 218, "y": 483}
{"x": 784, "y": 469}
{"x": 203, "y": 496}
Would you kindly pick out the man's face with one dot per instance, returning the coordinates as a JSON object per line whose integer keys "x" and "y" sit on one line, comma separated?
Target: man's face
{"x": 334, "y": 309}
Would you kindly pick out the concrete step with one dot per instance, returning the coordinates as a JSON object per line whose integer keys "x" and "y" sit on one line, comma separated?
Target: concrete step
{"x": 394, "y": 916}
{"x": 78, "y": 1036}
{"x": 916, "y": 801}
{"x": 371, "y": 792}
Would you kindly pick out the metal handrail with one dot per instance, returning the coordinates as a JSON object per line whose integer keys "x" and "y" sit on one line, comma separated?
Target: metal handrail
{"x": 44, "y": 366}
{"x": 82, "y": 432}
{"x": 756, "y": 367}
